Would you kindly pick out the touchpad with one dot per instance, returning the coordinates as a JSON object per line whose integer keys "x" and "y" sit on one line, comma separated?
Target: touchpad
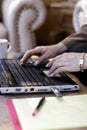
{"x": 46, "y": 72}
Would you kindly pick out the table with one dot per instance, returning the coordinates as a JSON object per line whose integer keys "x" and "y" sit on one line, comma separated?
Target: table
{"x": 5, "y": 122}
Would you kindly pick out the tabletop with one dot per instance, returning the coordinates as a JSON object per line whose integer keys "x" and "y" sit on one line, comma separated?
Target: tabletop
{"x": 5, "y": 122}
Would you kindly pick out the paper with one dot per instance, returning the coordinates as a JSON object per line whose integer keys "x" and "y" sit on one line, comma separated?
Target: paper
{"x": 55, "y": 114}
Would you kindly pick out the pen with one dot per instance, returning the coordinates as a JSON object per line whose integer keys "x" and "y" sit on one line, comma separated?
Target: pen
{"x": 38, "y": 106}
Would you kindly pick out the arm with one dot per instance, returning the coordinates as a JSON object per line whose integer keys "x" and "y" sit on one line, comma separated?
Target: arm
{"x": 63, "y": 46}
{"x": 76, "y": 38}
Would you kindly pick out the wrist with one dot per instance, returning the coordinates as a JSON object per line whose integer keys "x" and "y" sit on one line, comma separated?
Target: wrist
{"x": 62, "y": 47}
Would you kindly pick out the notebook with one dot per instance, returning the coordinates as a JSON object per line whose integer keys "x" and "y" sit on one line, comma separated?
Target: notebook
{"x": 68, "y": 112}
{"x": 16, "y": 78}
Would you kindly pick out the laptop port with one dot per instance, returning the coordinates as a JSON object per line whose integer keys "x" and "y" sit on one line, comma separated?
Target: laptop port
{"x": 18, "y": 89}
{"x": 42, "y": 90}
{"x": 7, "y": 90}
{"x": 31, "y": 89}
{"x": 26, "y": 90}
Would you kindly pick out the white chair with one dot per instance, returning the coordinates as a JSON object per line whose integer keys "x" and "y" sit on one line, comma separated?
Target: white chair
{"x": 21, "y": 19}
{"x": 80, "y": 14}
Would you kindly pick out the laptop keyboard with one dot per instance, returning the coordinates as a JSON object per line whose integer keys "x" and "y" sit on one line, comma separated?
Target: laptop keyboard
{"x": 24, "y": 75}
{"x": 16, "y": 78}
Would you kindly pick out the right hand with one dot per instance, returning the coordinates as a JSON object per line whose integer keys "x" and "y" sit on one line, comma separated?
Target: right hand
{"x": 45, "y": 52}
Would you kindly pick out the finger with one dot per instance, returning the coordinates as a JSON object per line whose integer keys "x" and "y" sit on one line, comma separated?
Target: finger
{"x": 29, "y": 53}
{"x": 49, "y": 63}
{"x": 57, "y": 70}
{"x": 42, "y": 58}
{"x": 26, "y": 56}
{"x": 57, "y": 65}
{"x": 53, "y": 67}
{"x": 61, "y": 69}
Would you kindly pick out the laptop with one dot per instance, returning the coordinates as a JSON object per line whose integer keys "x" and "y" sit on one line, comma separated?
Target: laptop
{"x": 28, "y": 78}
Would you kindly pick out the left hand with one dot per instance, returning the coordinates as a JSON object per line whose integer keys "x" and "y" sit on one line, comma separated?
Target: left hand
{"x": 66, "y": 62}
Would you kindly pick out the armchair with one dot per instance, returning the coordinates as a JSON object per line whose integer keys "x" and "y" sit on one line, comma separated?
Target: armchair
{"x": 22, "y": 18}
{"x": 80, "y": 14}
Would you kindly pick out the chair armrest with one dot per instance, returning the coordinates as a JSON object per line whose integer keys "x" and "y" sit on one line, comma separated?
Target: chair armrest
{"x": 80, "y": 14}
{"x": 22, "y": 19}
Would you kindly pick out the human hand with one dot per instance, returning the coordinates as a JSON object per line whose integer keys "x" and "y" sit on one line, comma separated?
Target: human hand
{"x": 66, "y": 62}
{"x": 44, "y": 52}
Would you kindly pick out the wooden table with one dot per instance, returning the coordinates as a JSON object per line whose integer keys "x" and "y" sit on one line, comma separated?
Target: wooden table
{"x": 5, "y": 122}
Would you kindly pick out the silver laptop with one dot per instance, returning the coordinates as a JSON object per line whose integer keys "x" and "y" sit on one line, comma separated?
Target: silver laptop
{"x": 16, "y": 78}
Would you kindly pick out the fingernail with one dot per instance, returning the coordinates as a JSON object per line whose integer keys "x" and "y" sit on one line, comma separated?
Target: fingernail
{"x": 21, "y": 62}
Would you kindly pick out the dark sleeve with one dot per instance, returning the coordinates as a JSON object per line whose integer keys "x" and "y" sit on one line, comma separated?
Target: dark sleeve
{"x": 0, "y": 11}
{"x": 76, "y": 38}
